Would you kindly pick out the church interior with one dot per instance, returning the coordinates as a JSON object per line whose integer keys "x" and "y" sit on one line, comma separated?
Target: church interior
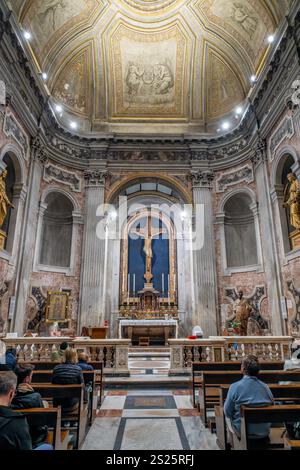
{"x": 150, "y": 220}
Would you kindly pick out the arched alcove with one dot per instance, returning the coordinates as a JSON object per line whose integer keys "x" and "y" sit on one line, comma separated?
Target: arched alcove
{"x": 56, "y": 236}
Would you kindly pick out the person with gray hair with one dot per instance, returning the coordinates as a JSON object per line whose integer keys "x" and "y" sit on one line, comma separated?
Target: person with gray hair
{"x": 14, "y": 430}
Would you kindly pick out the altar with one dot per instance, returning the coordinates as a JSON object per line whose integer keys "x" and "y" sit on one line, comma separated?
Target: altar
{"x": 154, "y": 329}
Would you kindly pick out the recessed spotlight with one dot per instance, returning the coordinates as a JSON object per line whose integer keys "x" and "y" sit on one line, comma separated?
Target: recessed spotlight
{"x": 271, "y": 39}
{"x": 58, "y": 108}
{"x": 27, "y": 35}
{"x": 45, "y": 76}
{"x": 253, "y": 78}
{"x": 218, "y": 130}
{"x": 239, "y": 110}
{"x": 225, "y": 125}
{"x": 73, "y": 125}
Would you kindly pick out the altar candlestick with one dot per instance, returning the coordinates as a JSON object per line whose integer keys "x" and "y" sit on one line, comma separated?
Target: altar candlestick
{"x": 128, "y": 287}
{"x": 134, "y": 285}
{"x": 163, "y": 283}
{"x": 169, "y": 288}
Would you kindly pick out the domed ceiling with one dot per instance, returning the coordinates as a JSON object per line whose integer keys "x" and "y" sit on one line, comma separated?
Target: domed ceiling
{"x": 148, "y": 65}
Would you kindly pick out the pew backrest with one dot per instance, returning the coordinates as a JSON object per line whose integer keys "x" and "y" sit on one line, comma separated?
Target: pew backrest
{"x": 50, "y": 417}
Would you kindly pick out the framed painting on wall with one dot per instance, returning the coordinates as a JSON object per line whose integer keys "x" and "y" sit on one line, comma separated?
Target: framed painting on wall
{"x": 57, "y": 307}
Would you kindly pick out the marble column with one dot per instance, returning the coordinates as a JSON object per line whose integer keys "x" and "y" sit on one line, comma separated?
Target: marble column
{"x": 205, "y": 284}
{"x": 268, "y": 239}
{"x": 93, "y": 258}
{"x": 28, "y": 236}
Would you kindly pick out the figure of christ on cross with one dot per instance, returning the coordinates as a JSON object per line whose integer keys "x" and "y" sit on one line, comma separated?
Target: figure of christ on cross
{"x": 148, "y": 233}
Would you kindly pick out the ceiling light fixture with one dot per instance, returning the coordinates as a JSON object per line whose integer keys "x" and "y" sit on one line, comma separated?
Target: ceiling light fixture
{"x": 225, "y": 125}
{"x": 239, "y": 110}
{"x": 73, "y": 125}
{"x": 58, "y": 108}
{"x": 27, "y": 35}
{"x": 271, "y": 39}
{"x": 253, "y": 78}
{"x": 45, "y": 76}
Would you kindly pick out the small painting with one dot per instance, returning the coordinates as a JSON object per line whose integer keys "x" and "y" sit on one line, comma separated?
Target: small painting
{"x": 57, "y": 307}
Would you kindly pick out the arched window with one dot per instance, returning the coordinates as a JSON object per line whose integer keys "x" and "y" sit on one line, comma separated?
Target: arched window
{"x": 56, "y": 235}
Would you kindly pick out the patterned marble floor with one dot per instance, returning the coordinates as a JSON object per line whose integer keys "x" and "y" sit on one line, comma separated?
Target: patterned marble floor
{"x": 150, "y": 420}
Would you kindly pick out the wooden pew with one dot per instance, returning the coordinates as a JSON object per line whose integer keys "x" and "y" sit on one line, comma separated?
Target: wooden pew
{"x": 50, "y": 417}
{"x": 97, "y": 365}
{"x": 49, "y": 392}
{"x": 45, "y": 376}
{"x": 211, "y": 381}
{"x": 281, "y": 393}
{"x": 199, "y": 367}
{"x": 267, "y": 414}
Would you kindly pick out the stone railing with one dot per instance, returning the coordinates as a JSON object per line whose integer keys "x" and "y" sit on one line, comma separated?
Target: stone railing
{"x": 112, "y": 352}
{"x": 226, "y": 348}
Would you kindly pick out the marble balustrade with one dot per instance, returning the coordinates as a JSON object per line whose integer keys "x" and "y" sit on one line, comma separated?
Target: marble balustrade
{"x": 112, "y": 352}
{"x": 226, "y": 348}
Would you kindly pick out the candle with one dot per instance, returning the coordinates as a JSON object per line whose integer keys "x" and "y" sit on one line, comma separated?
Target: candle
{"x": 134, "y": 285}
{"x": 169, "y": 288}
{"x": 128, "y": 288}
{"x": 163, "y": 283}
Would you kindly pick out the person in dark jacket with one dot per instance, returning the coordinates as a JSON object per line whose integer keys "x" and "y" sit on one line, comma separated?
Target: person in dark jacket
{"x": 11, "y": 358}
{"x": 67, "y": 373}
{"x": 14, "y": 430}
{"x": 83, "y": 362}
{"x": 26, "y": 398}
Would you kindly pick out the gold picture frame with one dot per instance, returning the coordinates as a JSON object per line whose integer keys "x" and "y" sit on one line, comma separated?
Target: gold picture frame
{"x": 57, "y": 307}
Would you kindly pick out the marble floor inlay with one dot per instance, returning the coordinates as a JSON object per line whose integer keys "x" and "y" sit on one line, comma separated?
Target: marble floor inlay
{"x": 149, "y": 419}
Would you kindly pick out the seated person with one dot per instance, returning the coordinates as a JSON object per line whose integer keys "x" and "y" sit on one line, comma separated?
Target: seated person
{"x": 14, "y": 430}
{"x": 83, "y": 362}
{"x": 11, "y": 358}
{"x": 248, "y": 391}
{"x": 67, "y": 373}
{"x": 56, "y": 356}
{"x": 26, "y": 397}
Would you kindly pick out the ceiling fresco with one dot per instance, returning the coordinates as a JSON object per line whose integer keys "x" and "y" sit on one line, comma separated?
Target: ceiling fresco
{"x": 131, "y": 64}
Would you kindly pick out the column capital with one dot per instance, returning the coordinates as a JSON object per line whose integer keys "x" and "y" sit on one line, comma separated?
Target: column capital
{"x": 259, "y": 154}
{"x": 94, "y": 177}
{"x": 202, "y": 178}
{"x": 39, "y": 150}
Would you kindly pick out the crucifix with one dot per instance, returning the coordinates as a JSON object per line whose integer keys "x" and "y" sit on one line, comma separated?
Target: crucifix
{"x": 148, "y": 233}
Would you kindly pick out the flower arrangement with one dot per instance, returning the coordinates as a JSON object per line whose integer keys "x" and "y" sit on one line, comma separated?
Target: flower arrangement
{"x": 232, "y": 328}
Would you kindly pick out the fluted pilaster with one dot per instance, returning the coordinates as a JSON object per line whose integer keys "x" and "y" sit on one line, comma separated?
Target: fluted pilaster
{"x": 205, "y": 313}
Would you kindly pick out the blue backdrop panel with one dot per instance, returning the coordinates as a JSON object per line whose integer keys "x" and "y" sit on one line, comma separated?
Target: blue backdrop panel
{"x": 160, "y": 260}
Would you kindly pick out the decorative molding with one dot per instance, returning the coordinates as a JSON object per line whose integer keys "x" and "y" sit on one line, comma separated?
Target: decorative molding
{"x": 54, "y": 173}
{"x": 285, "y": 130}
{"x": 148, "y": 155}
{"x": 68, "y": 149}
{"x": 12, "y": 128}
{"x": 202, "y": 178}
{"x": 243, "y": 174}
{"x": 95, "y": 177}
